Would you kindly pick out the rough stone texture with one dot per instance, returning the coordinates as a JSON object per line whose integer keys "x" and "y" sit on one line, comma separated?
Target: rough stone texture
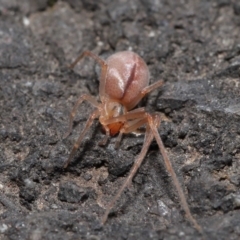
{"x": 194, "y": 46}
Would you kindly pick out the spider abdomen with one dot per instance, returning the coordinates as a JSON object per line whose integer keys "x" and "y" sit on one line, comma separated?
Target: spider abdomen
{"x": 127, "y": 75}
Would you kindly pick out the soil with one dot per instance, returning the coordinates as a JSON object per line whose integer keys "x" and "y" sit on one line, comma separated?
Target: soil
{"x": 194, "y": 46}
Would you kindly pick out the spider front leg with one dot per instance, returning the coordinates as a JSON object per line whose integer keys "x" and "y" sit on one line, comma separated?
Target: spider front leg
{"x": 147, "y": 141}
{"x": 130, "y": 127}
{"x": 153, "y": 124}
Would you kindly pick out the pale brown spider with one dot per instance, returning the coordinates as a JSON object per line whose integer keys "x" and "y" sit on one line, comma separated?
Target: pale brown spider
{"x": 123, "y": 83}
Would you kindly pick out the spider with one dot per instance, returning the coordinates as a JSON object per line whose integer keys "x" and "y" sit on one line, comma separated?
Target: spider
{"x": 124, "y": 81}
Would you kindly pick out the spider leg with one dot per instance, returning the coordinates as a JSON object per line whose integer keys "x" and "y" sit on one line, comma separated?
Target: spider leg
{"x": 151, "y": 87}
{"x": 84, "y": 97}
{"x": 145, "y": 91}
{"x": 154, "y": 122}
{"x": 103, "y": 142}
{"x": 148, "y": 139}
{"x": 129, "y": 127}
{"x": 118, "y": 140}
{"x": 103, "y": 65}
{"x": 89, "y": 122}
{"x": 134, "y": 114}
{"x": 87, "y": 54}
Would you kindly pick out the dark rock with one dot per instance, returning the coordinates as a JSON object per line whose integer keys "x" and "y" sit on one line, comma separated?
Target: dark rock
{"x": 192, "y": 45}
{"x": 72, "y": 193}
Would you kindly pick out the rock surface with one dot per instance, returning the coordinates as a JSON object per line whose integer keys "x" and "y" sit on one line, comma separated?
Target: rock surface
{"x": 194, "y": 46}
